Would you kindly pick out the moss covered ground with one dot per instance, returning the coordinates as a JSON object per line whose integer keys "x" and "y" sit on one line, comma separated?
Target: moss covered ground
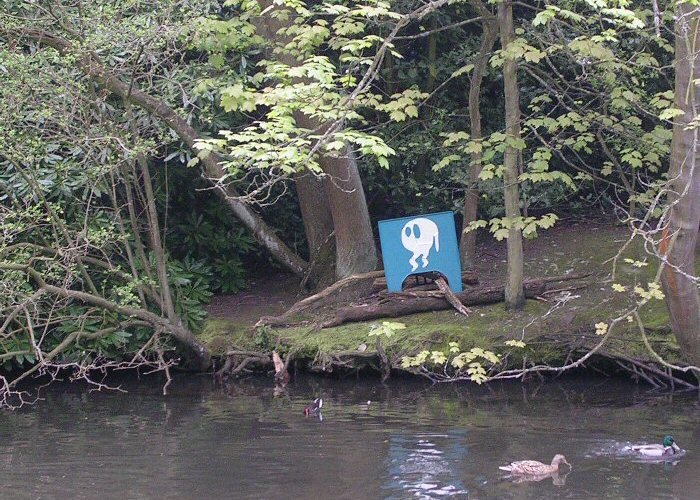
{"x": 552, "y": 329}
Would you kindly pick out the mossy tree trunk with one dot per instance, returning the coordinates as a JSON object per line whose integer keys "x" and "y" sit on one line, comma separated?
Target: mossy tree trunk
{"x": 681, "y": 235}
{"x": 467, "y": 244}
{"x": 514, "y": 296}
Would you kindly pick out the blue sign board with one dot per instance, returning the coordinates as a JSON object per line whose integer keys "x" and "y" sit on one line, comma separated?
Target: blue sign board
{"x": 420, "y": 244}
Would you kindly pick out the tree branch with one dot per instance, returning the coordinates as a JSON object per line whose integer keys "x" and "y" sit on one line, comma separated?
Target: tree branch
{"x": 90, "y": 64}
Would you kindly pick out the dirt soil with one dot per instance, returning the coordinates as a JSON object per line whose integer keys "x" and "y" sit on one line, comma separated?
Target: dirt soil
{"x": 268, "y": 295}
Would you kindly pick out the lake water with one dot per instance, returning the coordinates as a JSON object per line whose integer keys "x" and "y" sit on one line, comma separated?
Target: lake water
{"x": 412, "y": 440}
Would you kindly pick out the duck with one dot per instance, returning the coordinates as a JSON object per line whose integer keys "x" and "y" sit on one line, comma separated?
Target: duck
{"x": 667, "y": 448}
{"x": 314, "y": 408}
{"x": 534, "y": 468}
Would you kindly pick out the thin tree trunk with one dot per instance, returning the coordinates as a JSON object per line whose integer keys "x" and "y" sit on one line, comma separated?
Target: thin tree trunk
{"x": 153, "y": 228}
{"x": 514, "y": 296}
{"x": 681, "y": 236}
{"x": 390, "y": 79}
{"x": 467, "y": 244}
{"x": 89, "y": 63}
{"x": 432, "y": 53}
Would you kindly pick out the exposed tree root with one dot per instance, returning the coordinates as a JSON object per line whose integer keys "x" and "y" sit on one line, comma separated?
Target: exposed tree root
{"x": 350, "y": 361}
{"x": 385, "y": 364}
{"x": 604, "y": 363}
{"x": 343, "y": 361}
{"x": 654, "y": 375}
{"x": 237, "y": 362}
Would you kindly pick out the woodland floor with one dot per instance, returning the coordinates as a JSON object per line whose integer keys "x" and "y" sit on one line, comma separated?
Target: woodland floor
{"x": 553, "y": 330}
{"x": 567, "y": 247}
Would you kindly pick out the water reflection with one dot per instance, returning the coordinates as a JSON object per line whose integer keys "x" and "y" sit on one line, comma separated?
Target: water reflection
{"x": 411, "y": 440}
{"x": 427, "y": 465}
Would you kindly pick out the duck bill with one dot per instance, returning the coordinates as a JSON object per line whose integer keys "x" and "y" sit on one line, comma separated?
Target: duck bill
{"x": 676, "y": 448}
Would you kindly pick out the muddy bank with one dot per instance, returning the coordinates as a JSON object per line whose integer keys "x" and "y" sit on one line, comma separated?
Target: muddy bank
{"x": 557, "y": 327}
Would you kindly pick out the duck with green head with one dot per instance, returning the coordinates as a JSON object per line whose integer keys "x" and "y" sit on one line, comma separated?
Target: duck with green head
{"x": 666, "y": 449}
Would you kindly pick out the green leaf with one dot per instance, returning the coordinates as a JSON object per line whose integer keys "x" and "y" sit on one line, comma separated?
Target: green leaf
{"x": 670, "y": 113}
{"x": 501, "y": 234}
{"x": 463, "y": 70}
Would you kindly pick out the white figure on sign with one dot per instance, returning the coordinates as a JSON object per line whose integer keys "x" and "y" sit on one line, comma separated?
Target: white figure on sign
{"x": 418, "y": 236}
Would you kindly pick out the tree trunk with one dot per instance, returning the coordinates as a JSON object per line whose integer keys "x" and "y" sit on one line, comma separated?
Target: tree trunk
{"x": 318, "y": 227}
{"x": 467, "y": 244}
{"x": 681, "y": 236}
{"x": 344, "y": 195}
{"x": 354, "y": 240}
{"x": 514, "y": 296}
{"x": 311, "y": 189}
{"x": 432, "y": 53}
{"x": 153, "y": 228}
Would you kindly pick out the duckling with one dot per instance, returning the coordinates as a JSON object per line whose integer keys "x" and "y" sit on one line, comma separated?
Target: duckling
{"x": 535, "y": 468}
{"x": 667, "y": 448}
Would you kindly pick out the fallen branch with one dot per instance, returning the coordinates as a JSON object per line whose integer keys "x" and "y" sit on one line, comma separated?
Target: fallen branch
{"x": 346, "y": 289}
{"x": 468, "y": 278}
{"x": 451, "y": 297}
{"x": 401, "y": 305}
{"x": 361, "y": 286}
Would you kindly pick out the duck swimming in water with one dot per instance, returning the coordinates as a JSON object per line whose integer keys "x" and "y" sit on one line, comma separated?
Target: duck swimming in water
{"x": 314, "y": 408}
{"x": 534, "y": 468}
{"x": 666, "y": 449}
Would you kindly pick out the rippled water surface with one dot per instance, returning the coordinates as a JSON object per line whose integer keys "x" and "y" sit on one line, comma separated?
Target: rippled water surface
{"x": 411, "y": 441}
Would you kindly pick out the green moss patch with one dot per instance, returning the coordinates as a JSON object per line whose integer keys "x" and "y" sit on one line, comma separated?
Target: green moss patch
{"x": 551, "y": 330}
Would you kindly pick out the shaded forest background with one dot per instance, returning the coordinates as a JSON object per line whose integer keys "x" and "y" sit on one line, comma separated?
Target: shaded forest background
{"x": 155, "y": 153}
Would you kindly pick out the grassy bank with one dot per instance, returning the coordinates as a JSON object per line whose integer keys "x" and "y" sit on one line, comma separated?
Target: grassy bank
{"x": 553, "y": 330}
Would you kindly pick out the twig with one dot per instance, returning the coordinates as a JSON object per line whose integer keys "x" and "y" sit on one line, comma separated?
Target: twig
{"x": 451, "y": 297}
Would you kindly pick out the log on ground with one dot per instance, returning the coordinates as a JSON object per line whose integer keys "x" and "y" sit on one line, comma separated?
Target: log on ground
{"x": 401, "y": 304}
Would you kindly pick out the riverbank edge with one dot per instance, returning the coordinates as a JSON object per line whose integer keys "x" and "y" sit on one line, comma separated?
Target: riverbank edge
{"x": 557, "y": 329}
{"x": 551, "y": 338}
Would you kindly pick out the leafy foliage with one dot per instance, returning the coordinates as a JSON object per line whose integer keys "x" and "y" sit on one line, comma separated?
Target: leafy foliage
{"x": 454, "y": 362}
{"x": 100, "y": 197}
